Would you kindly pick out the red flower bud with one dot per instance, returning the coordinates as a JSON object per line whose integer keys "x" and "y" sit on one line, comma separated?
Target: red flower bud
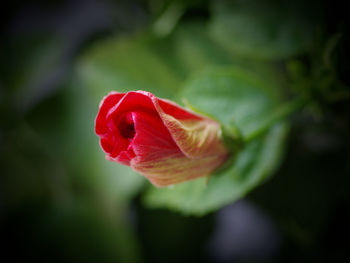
{"x": 157, "y": 138}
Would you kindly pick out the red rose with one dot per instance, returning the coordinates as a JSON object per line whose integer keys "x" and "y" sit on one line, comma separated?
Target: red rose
{"x": 157, "y": 138}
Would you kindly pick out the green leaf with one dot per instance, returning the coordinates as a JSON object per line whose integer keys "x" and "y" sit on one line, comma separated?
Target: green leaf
{"x": 196, "y": 50}
{"x": 230, "y": 95}
{"x": 235, "y": 96}
{"x": 259, "y": 160}
{"x": 263, "y": 29}
{"x": 123, "y": 64}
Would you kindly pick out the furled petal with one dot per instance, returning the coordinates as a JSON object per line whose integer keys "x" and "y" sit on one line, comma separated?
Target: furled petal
{"x": 159, "y": 139}
{"x": 106, "y": 104}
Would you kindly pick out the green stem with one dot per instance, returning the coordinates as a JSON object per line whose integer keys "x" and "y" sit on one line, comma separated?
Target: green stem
{"x": 282, "y": 113}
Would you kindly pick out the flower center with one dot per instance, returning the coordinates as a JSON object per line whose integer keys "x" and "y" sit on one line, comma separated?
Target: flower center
{"x": 128, "y": 131}
{"x": 126, "y": 127}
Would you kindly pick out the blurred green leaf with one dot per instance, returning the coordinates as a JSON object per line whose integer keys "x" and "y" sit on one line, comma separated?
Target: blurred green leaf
{"x": 263, "y": 29}
{"x": 233, "y": 96}
{"x": 196, "y": 50}
{"x": 259, "y": 159}
{"x": 124, "y": 64}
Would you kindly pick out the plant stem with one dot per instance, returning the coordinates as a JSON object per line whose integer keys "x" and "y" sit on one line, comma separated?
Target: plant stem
{"x": 282, "y": 113}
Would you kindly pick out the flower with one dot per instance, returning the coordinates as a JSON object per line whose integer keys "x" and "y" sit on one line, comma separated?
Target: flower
{"x": 157, "y": 138}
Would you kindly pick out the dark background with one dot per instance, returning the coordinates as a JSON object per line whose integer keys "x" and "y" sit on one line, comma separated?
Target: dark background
{"x": 52, "y": 209}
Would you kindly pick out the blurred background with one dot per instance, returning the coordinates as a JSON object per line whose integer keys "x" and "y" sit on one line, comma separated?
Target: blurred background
{"x": 61, "y": 201}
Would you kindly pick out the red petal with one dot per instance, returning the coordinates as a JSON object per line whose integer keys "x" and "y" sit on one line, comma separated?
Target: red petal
{"x": 106, "y": 104}
{"x": 152, "y": 140}
{"x": 176, "y": 111}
